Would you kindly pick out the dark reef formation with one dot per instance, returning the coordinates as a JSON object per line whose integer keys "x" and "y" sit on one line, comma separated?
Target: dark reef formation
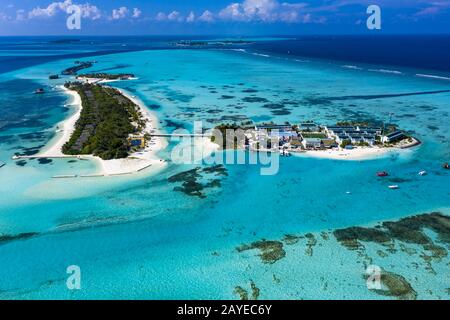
{"x": 394, "y": 285}
{"x": 244, "y": 295}
{"x": 191, "y": 183}
{"x": 409, "y": 230}
{"x": 270, "y": 251}
{"x": 20, "y": 236}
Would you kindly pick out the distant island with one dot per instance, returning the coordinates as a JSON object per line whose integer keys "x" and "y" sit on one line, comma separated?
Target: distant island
{"x": 106, "y": 76}
{"x": 109, "y": 125}
{"x": 197, "y": 43}
{"x": 79, "y": 65}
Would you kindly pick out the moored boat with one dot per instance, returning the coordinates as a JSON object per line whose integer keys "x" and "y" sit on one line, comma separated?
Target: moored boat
{"x": 39, "y": 91}
{"x": 394, "y": 187}
{"x": 382, "y": 174}
{"x": 423, "y": 173}
{"x": 2, "y": 164}
{"x": 446, "y": 166}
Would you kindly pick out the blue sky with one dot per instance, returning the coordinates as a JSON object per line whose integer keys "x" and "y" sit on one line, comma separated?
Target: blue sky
{"x": 233, "y": 17}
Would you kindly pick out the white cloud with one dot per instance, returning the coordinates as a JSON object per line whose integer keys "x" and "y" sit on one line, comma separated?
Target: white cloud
{"x": 120, "y": 13}
{"x": 206, "y": 16}
{"x": 20, "y": 15}
{"x": 266, "y": 11}
{"x": 3, "y": 16}
{"x": 233, "y": 12}
{"x": 174, "y": 16}
{"x": 88, "y": 11}
{"x": 191, "y": 17}
{"x": 137, "y": 13}
{"x": 161, "y": 16}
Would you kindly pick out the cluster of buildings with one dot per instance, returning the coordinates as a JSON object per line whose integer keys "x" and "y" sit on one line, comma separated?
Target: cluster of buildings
{"x": 355, "y": 134}
{"x": 311, "y": 136}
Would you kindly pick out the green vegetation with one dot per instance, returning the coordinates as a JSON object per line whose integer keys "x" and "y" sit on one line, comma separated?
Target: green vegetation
{"x": 221, "y": 132}
{"x": 107, "y": 119}
{"x": 345, "y": 143}
{"x": 363, "y": 144}
{"x": 317, "y": 135}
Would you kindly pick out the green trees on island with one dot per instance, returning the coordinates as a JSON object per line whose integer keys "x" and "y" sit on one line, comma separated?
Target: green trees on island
{"x": 106, "y": 121}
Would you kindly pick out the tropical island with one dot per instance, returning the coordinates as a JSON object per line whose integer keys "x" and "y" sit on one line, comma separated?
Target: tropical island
{"x": 79, "y": 65}
{"x": 205, "y": 43}
{"x": 343, "y": 140}
{"x": 105, "y": 76}
{"x": 110, "y": 125}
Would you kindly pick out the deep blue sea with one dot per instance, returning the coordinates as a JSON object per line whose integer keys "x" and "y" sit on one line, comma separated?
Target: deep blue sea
{"x": 139, "y": 237}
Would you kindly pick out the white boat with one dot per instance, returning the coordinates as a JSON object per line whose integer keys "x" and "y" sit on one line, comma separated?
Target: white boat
{"x": 394, "y": 187}
{"x": 423, "y": 173}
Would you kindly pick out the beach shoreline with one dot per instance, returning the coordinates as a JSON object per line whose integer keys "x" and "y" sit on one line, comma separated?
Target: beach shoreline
{"x": 136, "y": 162}
{"x": 357, "y": 154}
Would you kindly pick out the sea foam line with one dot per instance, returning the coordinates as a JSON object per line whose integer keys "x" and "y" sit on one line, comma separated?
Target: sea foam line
{"x": 386, "y": 71}
{"x": 352, "y": 67}
{"x": 431, "y": 76}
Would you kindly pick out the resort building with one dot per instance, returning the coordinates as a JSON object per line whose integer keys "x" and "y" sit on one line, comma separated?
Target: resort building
{"x": 329, "y": 143}
{"x": 270, "y": 127}
{"x": 309, "y": 127}
{"x": 312, "y": 143}
{"x": 393, "y": 137}
{"x": 354, "y": 134}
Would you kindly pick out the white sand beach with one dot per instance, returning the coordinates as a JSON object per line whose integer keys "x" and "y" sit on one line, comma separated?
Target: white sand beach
{"x": 356, "y": 154}
{"x": 65, "y": 128}
{"x": 146, "y": 159}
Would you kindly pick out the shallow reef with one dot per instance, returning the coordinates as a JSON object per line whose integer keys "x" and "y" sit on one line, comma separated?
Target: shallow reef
{"x": 21, "y": 163}
{"x": 254, "y": 99}
{"x": 394, "y": 285}
{"x": 191, "y": 183}
{"x": 270, "y": 251}
{"x": 409, "y": 230}
{"x": 244, "y": 294}
{"x": 226, "y": 97}
{"x": 20, "y": 236}
{"x": 45, "y": 161}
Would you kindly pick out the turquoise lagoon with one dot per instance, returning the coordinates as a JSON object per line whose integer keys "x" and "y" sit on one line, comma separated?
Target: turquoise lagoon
{"x": 138, "y": 238}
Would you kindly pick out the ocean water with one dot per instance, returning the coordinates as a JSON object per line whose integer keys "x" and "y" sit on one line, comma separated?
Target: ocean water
{"x": 138, "y": 238}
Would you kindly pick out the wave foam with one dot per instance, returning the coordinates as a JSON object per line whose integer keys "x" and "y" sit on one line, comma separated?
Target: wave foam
{"x": 431, "y": 76}
{"x": 386, "y": 71}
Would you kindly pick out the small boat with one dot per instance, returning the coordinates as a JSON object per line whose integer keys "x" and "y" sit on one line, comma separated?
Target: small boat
{"x": 446, "y": 166}
{"x": 382, "y": 174}
{"x": 2, "y": 164}
{"x": 423, "y": 173}
{"x": 39, "y": 91}
{"x": 394, "y": 187}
